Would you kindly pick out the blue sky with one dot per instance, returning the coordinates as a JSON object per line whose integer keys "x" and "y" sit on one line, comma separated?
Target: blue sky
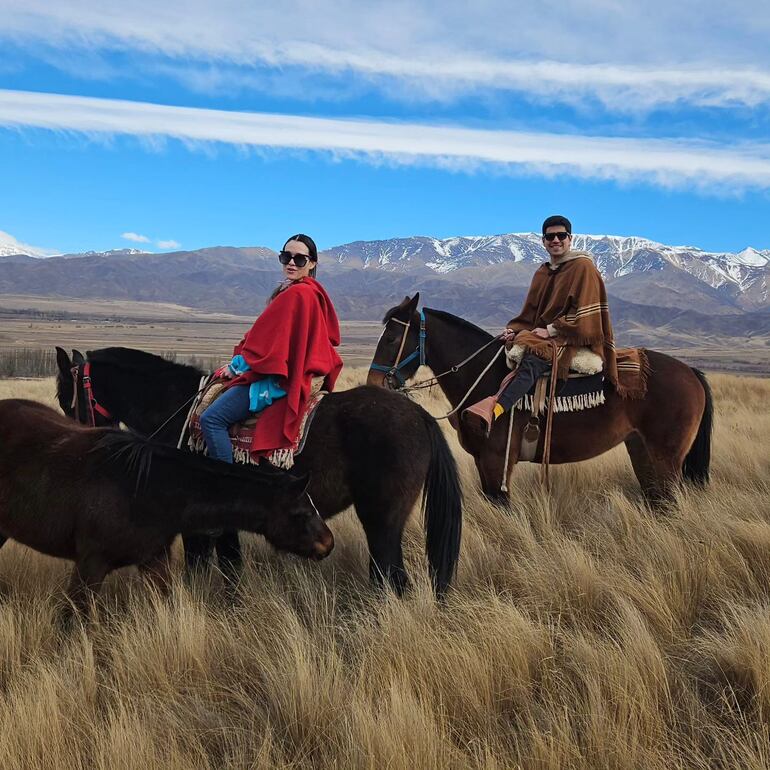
{"x": 201, "y": 124}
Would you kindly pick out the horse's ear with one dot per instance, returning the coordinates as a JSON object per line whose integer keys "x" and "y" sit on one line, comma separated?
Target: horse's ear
{"x": 77, "y": 357}
{"x": 63, "y": 361}
{"x": 415, "y": 301}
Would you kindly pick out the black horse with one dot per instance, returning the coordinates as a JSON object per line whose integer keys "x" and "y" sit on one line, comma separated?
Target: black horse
{"x": 368, "y": 448}
{"x": 108, "y": 499}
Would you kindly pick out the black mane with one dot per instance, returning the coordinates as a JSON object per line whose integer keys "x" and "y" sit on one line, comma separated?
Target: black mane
{"x": 130, "y": 358}
{"x": 461, "y": 322}
{"x": 134, "y": 454}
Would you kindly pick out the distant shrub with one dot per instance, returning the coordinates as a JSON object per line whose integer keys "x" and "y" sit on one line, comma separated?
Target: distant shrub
{"x": 27, "y": 362}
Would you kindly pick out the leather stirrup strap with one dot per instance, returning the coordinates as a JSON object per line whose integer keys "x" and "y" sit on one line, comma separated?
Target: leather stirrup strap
{"x": 551, "y": 403}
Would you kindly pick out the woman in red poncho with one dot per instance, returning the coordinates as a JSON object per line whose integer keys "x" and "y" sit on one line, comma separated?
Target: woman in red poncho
{"x": 292, "y": 341}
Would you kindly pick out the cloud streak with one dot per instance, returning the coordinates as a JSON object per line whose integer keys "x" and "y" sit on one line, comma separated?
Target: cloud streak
{"x": 663, "y": 162}
{"x": 629, "y": 56}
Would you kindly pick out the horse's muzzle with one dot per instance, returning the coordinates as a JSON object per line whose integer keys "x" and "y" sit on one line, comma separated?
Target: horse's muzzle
{"x": 380, "y": 379}
{"x": 323, "y": 546}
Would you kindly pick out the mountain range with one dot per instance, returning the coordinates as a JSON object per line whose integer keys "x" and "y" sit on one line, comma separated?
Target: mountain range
{"x": 482, "y": 278}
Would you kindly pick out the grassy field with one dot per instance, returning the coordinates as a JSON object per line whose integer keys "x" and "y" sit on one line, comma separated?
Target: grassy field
{"x": 583, "y": 632}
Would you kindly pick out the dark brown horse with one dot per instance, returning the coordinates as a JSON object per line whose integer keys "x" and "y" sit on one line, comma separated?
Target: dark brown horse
{"x": 107, "y": 499}
{"x": 367, "y": 448}
{"x": 667, "y": 434}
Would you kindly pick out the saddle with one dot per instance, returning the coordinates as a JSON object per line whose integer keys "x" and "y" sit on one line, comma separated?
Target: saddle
{"x": 241, "y": 433}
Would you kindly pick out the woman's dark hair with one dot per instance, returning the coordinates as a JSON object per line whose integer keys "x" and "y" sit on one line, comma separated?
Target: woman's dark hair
{"x": 311, "y": 247}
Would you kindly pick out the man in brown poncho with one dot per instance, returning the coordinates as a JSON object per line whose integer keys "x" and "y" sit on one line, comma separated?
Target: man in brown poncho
{"x": 565, "y": 312}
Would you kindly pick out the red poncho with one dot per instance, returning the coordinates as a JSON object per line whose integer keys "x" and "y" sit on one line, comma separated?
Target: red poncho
{"x": 294, "y": 338}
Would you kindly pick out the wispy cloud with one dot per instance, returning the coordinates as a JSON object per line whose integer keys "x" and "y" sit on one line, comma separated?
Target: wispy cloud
{"x": 170, "y": 244}
{"x": 135, "y": 237}
{"x": 661, "y": 161}
{"x": 628, "y": 55}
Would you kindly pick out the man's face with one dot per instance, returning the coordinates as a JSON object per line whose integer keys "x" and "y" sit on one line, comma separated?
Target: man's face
{"x": 553, "y": 243}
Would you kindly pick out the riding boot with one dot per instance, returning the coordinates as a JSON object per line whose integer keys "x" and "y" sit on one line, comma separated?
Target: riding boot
{"x": 481, "y": 415}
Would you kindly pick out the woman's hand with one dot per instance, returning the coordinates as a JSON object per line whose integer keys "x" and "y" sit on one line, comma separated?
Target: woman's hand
{"x": 223, "y": 373}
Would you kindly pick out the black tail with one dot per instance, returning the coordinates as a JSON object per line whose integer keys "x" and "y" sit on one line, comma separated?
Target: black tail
{"x": 442, "y": 500}
{"x": 696, "y": 465}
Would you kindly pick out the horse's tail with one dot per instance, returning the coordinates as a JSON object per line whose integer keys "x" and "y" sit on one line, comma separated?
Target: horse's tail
{"x": 696, "y": 464}
{"x": 442, "y": 500}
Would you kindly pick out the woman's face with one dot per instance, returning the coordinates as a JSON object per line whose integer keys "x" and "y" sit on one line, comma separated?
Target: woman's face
{"x": 291, "y": 271}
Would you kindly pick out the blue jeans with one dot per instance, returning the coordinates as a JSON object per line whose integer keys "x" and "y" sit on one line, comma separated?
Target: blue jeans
{"x": 530, "y": 369}
{"x": 232, "y": 406}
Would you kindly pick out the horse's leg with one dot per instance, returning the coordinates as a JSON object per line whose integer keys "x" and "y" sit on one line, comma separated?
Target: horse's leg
{"x": 640, "y": 461}
{"x": 490, "y": 466}
{"x": 658, "y": 472}
{"x": 230, "y": 560}
{"x": 384, "y": 528}
{"x": 158, "y": 571}
{"x": 87, "y": 578}
{"x": 198, "y": 548}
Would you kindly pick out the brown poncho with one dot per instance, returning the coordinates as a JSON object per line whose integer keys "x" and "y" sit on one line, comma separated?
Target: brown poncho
{"x": 571, "y": 298}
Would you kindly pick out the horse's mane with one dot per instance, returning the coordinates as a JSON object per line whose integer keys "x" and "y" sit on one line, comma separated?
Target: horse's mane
{"x": 133, "y": 455}
{"x": 454, "y": 319}
{"x": 137, "y": 360}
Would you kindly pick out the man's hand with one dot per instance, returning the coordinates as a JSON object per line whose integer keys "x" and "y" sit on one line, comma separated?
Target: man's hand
{"x": 508, "y": 334}
{"x": 542, "y": 333}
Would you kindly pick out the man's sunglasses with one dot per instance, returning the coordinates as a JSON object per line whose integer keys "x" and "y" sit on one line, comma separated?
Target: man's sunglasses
{"x": 300, "y": 260}
{"x": 562, "y": 236}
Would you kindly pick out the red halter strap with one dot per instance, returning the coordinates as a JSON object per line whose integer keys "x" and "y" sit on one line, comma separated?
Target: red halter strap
{"x": 92, "y": 405}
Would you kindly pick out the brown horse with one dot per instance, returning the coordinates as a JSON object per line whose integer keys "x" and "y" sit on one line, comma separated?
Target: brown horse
{"x": 107, "y": 499}
{"x": 667, "y": 434}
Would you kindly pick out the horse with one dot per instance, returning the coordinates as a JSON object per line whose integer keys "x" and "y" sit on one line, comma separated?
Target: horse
{"x": 367, "y": 447}
{"x": 106, "y": 498}
{"x": 667, "y": 433}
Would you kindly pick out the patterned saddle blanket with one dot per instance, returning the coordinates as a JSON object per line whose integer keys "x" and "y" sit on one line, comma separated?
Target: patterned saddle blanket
{"x": 581, "y": 392}
{"x": 241, "y": 433}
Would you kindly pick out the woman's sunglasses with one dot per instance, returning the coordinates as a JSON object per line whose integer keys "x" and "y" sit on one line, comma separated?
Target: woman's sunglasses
{"x": 562, "y": 236}
{"x": 300, "y": 260}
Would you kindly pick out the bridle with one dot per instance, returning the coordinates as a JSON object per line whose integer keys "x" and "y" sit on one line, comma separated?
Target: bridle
{"x": 82, "y": 373}
{"x": 394, "y": 371}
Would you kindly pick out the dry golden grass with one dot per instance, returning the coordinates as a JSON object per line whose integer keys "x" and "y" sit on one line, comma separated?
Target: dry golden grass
{"x": 583, "y": 633}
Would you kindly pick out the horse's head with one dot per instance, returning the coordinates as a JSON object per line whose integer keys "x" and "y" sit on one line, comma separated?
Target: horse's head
{"x": 65, "y": 381}
{"x": 397, "y": 356}
{"x": 71, "y": 389}
{"x": 295, "y": 525}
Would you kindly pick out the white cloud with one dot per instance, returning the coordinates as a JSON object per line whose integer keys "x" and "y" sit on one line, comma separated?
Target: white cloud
{"x": 170, "y": 244}
{"x": 661, "y": 161}
{"x": 627, "y": 54}
{"x": 10, "y": 245}
{"x": 135, "y": 237}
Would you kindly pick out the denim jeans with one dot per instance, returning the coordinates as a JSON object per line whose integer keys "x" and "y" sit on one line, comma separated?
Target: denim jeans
{"x": 530, "y": 369}
{"x": 232, "y": 406}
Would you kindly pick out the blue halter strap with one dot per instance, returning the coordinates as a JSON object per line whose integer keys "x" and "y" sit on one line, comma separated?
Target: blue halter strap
{"x": 395, "y": 370}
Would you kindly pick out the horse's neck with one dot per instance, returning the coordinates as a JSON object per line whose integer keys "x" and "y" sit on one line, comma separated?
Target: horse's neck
{"x": 144, "y": 402}
{"x": 448, "y": 344}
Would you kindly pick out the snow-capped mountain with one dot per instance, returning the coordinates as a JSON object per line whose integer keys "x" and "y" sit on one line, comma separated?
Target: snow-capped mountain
{"x": 742, "y": 278}
{"x": 10, "y": 247}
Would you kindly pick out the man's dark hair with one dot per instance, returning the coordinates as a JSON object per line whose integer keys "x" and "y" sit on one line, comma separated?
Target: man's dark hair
{"x": 557, "y": 219}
